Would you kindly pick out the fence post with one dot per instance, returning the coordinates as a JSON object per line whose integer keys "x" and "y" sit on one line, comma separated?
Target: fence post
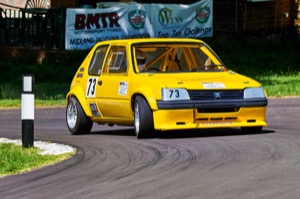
{"x": 62, "y": 25}
{"x": 27, "y": 110}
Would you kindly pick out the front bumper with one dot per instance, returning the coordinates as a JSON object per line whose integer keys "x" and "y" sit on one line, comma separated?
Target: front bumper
{"x": 184, "y": 104}
{"x": 224, "y": 114}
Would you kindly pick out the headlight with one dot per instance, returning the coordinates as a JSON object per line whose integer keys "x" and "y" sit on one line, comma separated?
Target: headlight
{"x": 170, "y": 94}
{"x": 254, "y": 93}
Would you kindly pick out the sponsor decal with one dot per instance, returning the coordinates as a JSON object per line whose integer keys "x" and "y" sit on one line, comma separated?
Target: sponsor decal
{"x": 96, "y": 21}
{"x": 202, "y": 14}
{"x": 166, "y": 18}
{"x": 137, "y": 19}
{"x": 123, "y": 88}
{"x": 212, "y": 85}
{"x": 215, "y": 123}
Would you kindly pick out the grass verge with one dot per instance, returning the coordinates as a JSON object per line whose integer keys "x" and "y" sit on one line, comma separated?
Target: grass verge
{"x": 15, "y": 159}
{"x": 281, "y": 86}
{"x": 16, "y": 103}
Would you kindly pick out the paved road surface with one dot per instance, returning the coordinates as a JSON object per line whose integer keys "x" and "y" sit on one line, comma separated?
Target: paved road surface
{"x": 112, "y": 164}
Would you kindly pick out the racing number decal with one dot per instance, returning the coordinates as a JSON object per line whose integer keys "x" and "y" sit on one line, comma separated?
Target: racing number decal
{"x": 174, "y": 93}
{"x": 91, "y": 87}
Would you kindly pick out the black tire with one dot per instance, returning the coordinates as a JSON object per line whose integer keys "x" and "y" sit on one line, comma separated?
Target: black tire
{"x": 143, "y": 118}
{"x": 251, "y": 130}
{"x": 77, "y": 121}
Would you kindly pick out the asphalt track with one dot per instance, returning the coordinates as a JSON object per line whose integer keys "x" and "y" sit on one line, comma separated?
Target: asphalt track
{"x": 112, "y": 164}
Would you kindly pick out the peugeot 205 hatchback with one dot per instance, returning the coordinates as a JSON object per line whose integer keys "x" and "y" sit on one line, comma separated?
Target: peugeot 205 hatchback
{"x": 162, "y": 84}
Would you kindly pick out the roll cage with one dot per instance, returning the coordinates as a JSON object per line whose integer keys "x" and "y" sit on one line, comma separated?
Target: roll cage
{"x": 178, "y": 57}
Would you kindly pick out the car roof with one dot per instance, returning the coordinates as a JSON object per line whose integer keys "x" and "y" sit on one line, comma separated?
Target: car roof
{"x": 145, "y": 40}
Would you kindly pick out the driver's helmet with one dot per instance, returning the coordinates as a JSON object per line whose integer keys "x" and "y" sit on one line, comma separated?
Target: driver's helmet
{"x": 141, "y": 59}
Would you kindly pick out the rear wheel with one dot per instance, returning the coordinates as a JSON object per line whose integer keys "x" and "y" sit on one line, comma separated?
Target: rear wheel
{"x": 143, "y": 118}
{"x": 251, "y": 130}
{"x": 77, "y": 121}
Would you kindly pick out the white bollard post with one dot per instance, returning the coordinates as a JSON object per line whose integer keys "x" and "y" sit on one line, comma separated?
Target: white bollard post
{"x": 27, "y": 110}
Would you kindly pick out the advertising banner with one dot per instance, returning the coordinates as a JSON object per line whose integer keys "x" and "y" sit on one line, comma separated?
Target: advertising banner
{"x": 86, "y": 27}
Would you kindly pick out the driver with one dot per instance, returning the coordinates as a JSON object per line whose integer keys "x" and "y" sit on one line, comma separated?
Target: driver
{"x": 141, "y": 60}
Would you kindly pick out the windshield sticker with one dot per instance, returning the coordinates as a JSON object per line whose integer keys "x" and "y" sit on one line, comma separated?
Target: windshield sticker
{"x": 123, "y": 88}
{"x": 212, "y": 85}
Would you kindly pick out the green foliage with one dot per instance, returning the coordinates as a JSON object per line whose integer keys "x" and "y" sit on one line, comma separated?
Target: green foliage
{"x": 43, "y": 91}
{"x": 9, "y": 91}
{"x": 52, "y": 77}
{"x": 54, "y": 91}
{"x": 257, "y": 57}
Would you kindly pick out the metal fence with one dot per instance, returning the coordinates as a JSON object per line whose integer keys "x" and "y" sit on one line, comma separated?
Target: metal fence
{"x": 40, "y": 28}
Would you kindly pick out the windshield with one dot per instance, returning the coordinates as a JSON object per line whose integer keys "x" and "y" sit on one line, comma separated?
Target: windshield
{"x": 175, "y": 57}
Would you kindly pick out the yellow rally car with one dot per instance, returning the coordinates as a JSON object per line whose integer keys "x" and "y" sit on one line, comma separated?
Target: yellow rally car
{"x": 161, "y": 84}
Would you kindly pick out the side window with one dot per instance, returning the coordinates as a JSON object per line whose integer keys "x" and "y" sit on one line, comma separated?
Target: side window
{"x": 97, "y": 60}
{"x": 117, "y": 61}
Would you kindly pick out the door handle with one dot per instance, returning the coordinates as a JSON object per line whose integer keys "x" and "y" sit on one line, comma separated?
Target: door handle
{"x": 100, "y": 83}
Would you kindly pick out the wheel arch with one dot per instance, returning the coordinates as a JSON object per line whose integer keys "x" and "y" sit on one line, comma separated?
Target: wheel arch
{"x": 78, "y": 93}
{"x": 147, "y": 95}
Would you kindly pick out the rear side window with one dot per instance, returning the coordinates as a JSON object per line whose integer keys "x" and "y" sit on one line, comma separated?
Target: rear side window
{"x": 116, "y": 61}
{"x": 97, "y": 60}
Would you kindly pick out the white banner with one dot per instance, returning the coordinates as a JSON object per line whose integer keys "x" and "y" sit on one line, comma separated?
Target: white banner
{"x": 85, "y": 27}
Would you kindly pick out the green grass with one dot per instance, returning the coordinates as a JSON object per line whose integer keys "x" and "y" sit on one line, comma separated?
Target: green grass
{"x": 280, "y": 86}
{"x": 16, "y": 103}
{"x": 15, "y": 159}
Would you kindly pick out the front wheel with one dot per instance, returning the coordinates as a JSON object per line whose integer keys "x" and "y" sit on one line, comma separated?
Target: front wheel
{"x": 251, "y": 130}
{"x": 77, "y": 121}
{"x": 143, "y": 118}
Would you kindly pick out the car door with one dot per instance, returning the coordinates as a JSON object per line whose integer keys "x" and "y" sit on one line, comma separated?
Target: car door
{"x": 94, "y": 72}
{"x": 113, "y": 86}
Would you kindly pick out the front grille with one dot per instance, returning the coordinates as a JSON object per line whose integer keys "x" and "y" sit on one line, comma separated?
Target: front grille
{"x": 216, "y": 94}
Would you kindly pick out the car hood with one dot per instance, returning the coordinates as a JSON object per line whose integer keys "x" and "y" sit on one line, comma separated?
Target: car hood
{"x": 203, "y": 80}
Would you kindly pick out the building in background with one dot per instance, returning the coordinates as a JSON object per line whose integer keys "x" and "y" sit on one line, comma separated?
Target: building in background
{"x": 17, "y": 4}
